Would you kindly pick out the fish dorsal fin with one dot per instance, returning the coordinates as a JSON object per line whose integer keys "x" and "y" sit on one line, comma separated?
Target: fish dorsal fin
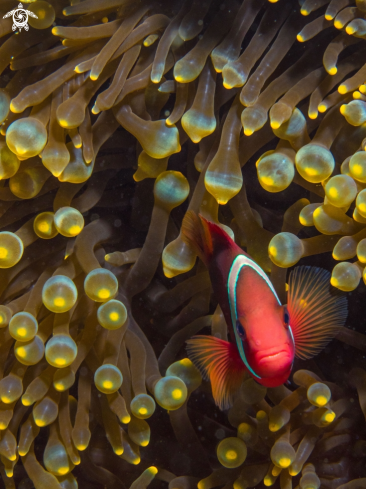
{"x": 218, "y": 361}
{"x": 316, "y": 315}
{"x": 197, "y": 234}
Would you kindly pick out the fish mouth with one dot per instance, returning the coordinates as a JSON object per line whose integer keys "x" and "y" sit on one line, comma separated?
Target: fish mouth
{"x": 274, "y": 356}
{"x": 270, "y": 354}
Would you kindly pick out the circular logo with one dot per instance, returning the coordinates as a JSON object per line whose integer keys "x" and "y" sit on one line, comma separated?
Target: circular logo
{"x": 20, "y": 17}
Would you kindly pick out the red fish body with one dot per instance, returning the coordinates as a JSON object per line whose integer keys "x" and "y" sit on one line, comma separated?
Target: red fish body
{"x": 265, "y": 336}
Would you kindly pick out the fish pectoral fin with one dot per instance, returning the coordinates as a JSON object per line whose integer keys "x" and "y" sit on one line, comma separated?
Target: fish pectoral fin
{"x": 317, "y": 310}
{"x": 219, "y": 361}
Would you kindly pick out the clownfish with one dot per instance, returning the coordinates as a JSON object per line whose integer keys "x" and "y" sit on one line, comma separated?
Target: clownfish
{"x": 265, "y": 336}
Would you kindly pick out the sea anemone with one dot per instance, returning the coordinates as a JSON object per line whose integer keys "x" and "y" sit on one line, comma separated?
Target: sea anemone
{"x": 116, "y": 118}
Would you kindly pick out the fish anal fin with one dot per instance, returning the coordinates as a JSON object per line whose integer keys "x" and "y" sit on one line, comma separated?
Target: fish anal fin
{"x": 219, "y": 361}
{"x": 317, "y": 311}
{"x": 197, "y": 234}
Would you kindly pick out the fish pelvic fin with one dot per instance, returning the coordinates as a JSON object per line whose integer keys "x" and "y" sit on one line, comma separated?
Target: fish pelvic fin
{"x": 218, "y": 361}
{"x": 196, "y": 233}
{"x": 317, "y": 311}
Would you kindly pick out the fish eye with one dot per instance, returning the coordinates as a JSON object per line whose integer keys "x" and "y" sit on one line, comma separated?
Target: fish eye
{"x": 286, "y": 317}
{"x": 240, "y": 330}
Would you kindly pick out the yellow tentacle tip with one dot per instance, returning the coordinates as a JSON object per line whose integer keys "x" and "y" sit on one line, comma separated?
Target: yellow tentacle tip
{"x": 334, "y": 281}
{"x": 40, "y": 422}
{"x": 81, "y": 447}
{"x": 95, "y": 110}
{"x": 342, "y": 89}
{"x": 274, "y": 427}
{"x": 321, "y": 400}
{"x": 275, "y": 124}
{"x": 284, "y": 462}
{"x": 333, "y": 70}
{"x": 329, "y": 417}
{"x": 13, "y": 108}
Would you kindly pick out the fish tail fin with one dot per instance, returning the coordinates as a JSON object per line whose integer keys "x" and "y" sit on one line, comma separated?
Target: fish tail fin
{"x": 317, "y": 311}
{"x": 218, "y": 361}
{"x": 196, "y": 233}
